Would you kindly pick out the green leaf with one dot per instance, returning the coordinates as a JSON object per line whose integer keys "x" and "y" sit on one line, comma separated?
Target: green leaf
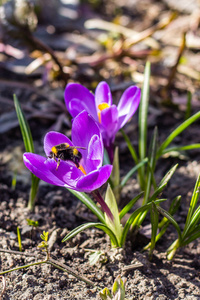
{"x": 172, "y": 209}
{"x": 89, "y": 203}
{"x": 115, "y": 176}
{"x": 168, "y": 176}
{"x": 143, "y": 111}
{"x": 83, "y": 227}
{"x": 154, "y": 226}
{"x": 28, "y": 143}
{"x": 151, "y": 165}
{"x": 193, "y": 203}
{"x": 114, "y": 224}
{"x": 25, "y": 129}
{"x": 94, "y": 257}
{"x": 195, "y": 234}
{"x": 105, "y": 294}
{"x": 181, "y": 148}
{"x": 106, "y": 160}
{"x": 130, "y": 146}
{"x": 128, "y": 206}
{"x": 176, "y": 132}
{"x": 130, "y": 221}
{"x": 132, "y": 171}
{"x": 172, "y": 220}
{"x": 193, "y": 222}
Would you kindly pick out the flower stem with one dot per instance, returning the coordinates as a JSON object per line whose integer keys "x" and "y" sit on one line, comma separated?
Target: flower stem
{"x": 110, "y": 151}
{"x": 103, "y": 204}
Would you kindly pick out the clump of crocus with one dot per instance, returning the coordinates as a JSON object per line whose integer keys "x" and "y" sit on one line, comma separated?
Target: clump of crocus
{"x": 109, "y": 117}
{"x": 86, "y": 176}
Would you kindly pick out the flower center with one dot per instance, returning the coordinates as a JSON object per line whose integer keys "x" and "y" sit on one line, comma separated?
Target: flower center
{"x": 101, "y": 107}
{"x": 82, "y": 169}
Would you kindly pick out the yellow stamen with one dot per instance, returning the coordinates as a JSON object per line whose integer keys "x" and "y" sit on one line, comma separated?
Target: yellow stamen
{"x": 101, "y": 107}
{"x": 82, "y": 169}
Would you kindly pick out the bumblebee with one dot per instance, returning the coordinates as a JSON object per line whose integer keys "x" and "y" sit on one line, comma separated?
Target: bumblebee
{"x": 66, "y": 152}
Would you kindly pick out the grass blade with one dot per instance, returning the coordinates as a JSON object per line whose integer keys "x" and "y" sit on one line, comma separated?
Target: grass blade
{"x": 176, "y": 132}
{"x": 143, "y": 111}
{"x": 126, "y": 209}
{"x": 89, "y": 203}
{"x": 25, "y": 129}
{"x": 130, "y": 147}
{"x": 132, "y": 171}
{"x": 28, "y": 143}
{"x": 131, "y": 219}
{"x": 181, "y": 148}
{"x": 171, "y": 219}
{"x": 193, "y": 222}
{"x": 151, "y": 165}
{"x": 193, "y": 203}
{"x": 154, "y": 227}
{"x": 83, "y": 227}
{"x": 193, "y": 236}
{"x": 172, "y": 209}
{"x": 168, "y": 176}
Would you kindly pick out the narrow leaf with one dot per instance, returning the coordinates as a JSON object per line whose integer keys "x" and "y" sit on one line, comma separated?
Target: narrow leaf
{"x": 83, "y": 227}
{"x": 168, "y": 176}
{"x": 181, "y": 148}
{"x": 193, "y": 236}
{"x": 25, "y": 129}
{"x": 114, "y": 224}
{"x": 126, "y": 209}
{"x": 143, "y": 111}
{"x": 28, "y": 143}
{"x": 193, "y": 203}
{"x": 171, "y": 219}
{"x": 154, "y": 226}
{"x": 172, "y": 209}
{"x": 130, "y": 146}
{"x": 89, "y": 203}
{"x": 151, "y": 165}
{"x": 130, "y": 221}
{"x": 176, "y": 132}
{"x": 132, "y": 171}
{"x": 193, "y": 222}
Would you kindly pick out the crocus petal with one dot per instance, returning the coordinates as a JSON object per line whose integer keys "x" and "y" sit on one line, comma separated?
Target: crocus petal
{"x": 67, "y": 172}
{"x": 94, "y": 180}
{"x": 103, "y": 94}
{"x": 83, "y": 129}
{"x": 95, "y": 154}
{"x": 54, "y": 138}
{"x": 82, "y": 98}
{"x": 109, "y": 120}
{"x": 128, "y": 104}
{"x": 37, "y": 165}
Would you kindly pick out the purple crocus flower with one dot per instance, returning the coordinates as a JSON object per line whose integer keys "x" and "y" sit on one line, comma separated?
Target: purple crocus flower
{"x": 109, "y": 117}
{"x": 89, "y": 175}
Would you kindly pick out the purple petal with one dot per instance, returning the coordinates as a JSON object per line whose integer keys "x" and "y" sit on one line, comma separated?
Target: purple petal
{"x": 94, "y": 180}
{"x": 54, "y": 138}
{"x": 103, "y": 94}
{"x": 109, "y": 121}
{"x": 67, "y": 172}
{"x": 128, "y": 104}
{"x": 78, "y": 98}
{"x": 83, "y": 129}
{"x": 95, "y": 154}
{"x": 37, "y": 165}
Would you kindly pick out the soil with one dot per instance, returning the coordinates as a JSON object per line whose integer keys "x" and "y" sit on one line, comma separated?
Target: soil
{"x": 56, "y": 210}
